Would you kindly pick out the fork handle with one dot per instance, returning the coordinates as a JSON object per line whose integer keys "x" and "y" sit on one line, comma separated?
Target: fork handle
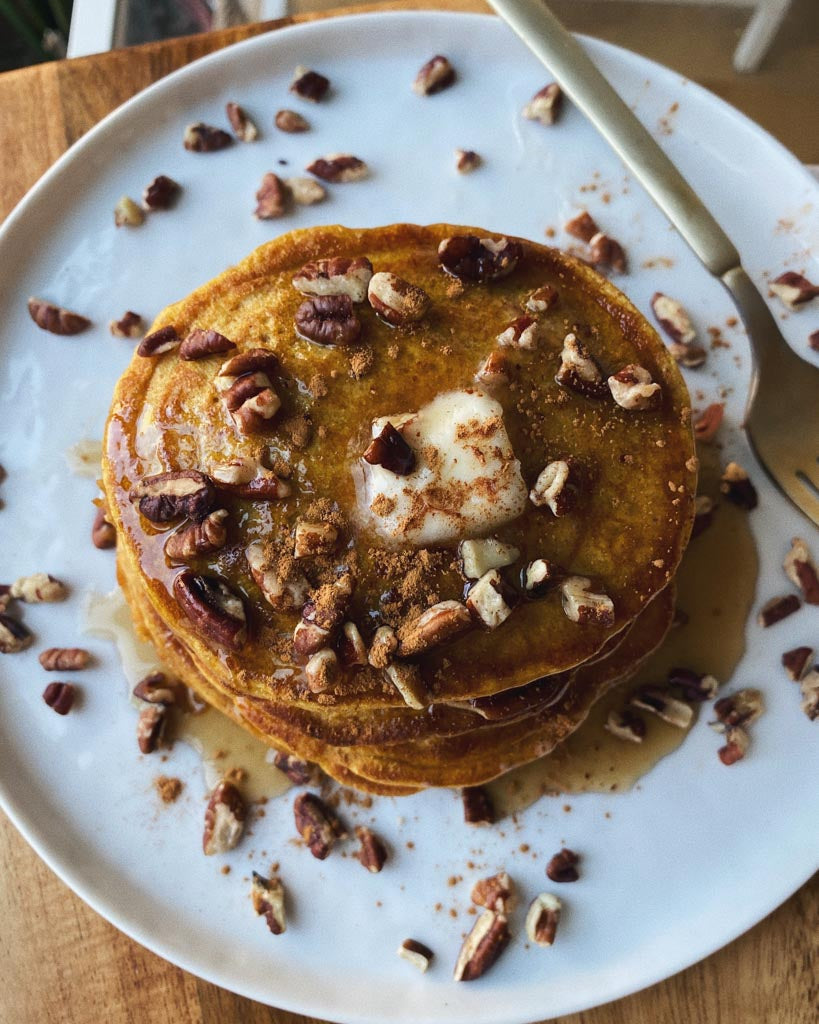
{"x": 579, "y": 77}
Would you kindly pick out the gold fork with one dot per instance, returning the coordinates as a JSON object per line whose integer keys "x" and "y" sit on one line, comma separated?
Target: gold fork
{"x": 782, "y": 414}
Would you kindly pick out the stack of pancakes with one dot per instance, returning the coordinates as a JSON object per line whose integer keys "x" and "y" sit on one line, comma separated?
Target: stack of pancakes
{"x": 294, "y": 535}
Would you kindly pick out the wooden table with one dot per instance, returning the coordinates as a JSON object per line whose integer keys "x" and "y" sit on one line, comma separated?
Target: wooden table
{"x": 61, "y": 962}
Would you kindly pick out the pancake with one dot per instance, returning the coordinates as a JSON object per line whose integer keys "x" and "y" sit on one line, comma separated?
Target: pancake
{"x": 229, "y": 455}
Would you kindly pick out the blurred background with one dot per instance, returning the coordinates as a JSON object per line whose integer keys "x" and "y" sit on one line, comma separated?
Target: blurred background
{"x": 760, "y": 55}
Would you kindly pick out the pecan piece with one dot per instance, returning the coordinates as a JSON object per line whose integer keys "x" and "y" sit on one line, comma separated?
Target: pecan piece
{"x": 582, "y": 605}
{"x": 291, "y": 122}
{"x": 470, "y": 258}
{"x": 244, "y": 127}
{"x": 741, "y": 708}
{"x": 201, "y": 343}
{"x": 583, "y": 226}
{"x": 794, "y": 289}
{"x": 267, "y": 897}
{"x": 335, "y": 276}
{"x": 736, "y": 746}
{"x": 252, "y": 360}
{"x": 703, "y": 514}
{"x": 690, "y": 356}
{"x": 477, "y": 805}
{"x": 777, "y": 609}
{"x": 224, "y": 819}
{"x": 185, "y": 493}
{"x": 300, "y": 773}
{"x": 252, "y": 402}
{"x": 435, "y": 75}
{"x": 271, "y": 198}
{"x": 317, "y": 826}
{"x": 708, "y": 422}
{"x": 284, "y": 594}
{"x": 495, "y": 369}
{"x": 801, "y": 570}
{"x": 563, "y": 866}
{"x": 479, "y": 556}
{"x": 204, "y": 138}
{"x": 490, "y": 600}
{"x": 737, "y": 487}
{"x": 540, "y": 576}
{"x": 38, "y": 588}
{"x": 372, "y": 853}
{"x": 696, "y": 687}
{"x": 14, "y": 636}
{"x": 309, "y": 638}
{"x": 632, "y": 388}
{"x": 64, "y": 659}
{"x": 552, "y": 488}
{"x": 212, "y": 608}
{"x": 396, "y": 300}
{"x": 542, "y": 299}
{"x": 406, "y": 678}
{"x": 579, "y": 371}
{"x": 495, "y": 893}
{"x": 482, "y": 947}
{"x": 308, "y": 84}
{"x": 797, "y": 661}
{"x": 660, "y": 703}
{"x": 605, "y": 251}
{"x": 542, "y": 919}
{"x": 150, "y": 726}
{"x": 625, "y": 725}
{"x": 55, "y": 319}
{"x": 467, "y": 161}
{"x": 416, "y": 953}
{"x": 338, "y": 167}
{"x": 352, "y": 651}
{"x": 522, "y": 332}
{"x": 438, "y": 624}
{"x": 306, "y": 191}
{"x": 128, "y": 214}
{"x": 390, "y": 450}
{"x": 313, "y": 539}
{"x": 103, "y": 534}
{"x": 158, "y": 342}
{"x": 130, "y": 325}
{"x": 59, "y": 697}
{"x": 383, "y": 647}
{"x": 545, "y": 105}
{"x": 328, "y": 320}
{"x": 671, "y": 315}
{"x": 155, "y": 689}
{"x": 198, "y": 538}
{"x": 322, "y": 670}
{"x": 161, "y": 194}
{"x": 809, "y": 686}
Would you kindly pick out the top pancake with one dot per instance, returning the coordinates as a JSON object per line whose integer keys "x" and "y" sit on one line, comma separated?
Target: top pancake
{"x": 635, "y": 469}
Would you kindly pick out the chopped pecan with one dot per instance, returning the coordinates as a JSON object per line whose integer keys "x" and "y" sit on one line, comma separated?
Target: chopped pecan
{"x": 470, "y": 258}
{"x": 583, "y": 226}
{"x": 708, "y": 422}
{"x": 130, "y": 325}
{"x": 306, "y": 191}
{"x": 14, "y": 636}
{"x": 801, "y": 570}
{"x": 809, "y": 686}
{"x": 160, "y": 341}
{"x": 495, "y": 893}
{"x": 372, "y": 853}
{"x": 777, "y": 609}
{"x": 212, "y": 607}
{"x": 313, "y": 538}
{"x": 204, "y": 138}
{"x": 542, "y": 919}
{"x": 673, "y": 318}
{"x": 416, "y": 953}
{"x": 244, "y": 128}
{"x": 322, "y": 670}
{"x": 55, "y": 319}
{"x": 696, "y": 687}
{"x": 291, "y": 122}
{"x": 267, "y": 897}
{"x": 185, "y": 493}
{"x": 309, "y": 638}
{"x": 495, "y": 369}
{"x": 155, "y": 689}
{"x": 737, "y": 487}
{"x": 308, "y": 84}
{"x": 797, "y": 661}
{"x": 438, "y": 624}
{"x": 579, "y": 371}
{"x": 407, "y": 679}
{"x": 224, "y": 819}
{"x": 490, "y": 600}
{"x": 540, "y": 576}
{"x": 482, "y": 947}
{"x": 383, "y": 647}
{"x": 315, "y": 823}
{"x": 352, "y": 650}
{"x": 198, "y": 538}
{"x": 127, "y": 213}
{"x": 328, "y": 320}
{"x": 284, "y": 594}
{"x": 689, "y": 356}
{"x": 300, "y": 773}
{"x": 605, "y": 251}
{"x": 542, "y": 299}
{"x": 477, "y": 805}
{"x": 396, "y": 300}
{"x": 563, "y": 866}
{"x": 390, "y": 450}
{"x": 64, "y": 659}
{"x": 201, "y": 343}
{"x": 335, "y": 276}
{"x": 741, "y": 708}
{"x": 271, "y": 198}
{"x": 703, "y": 514}
{"x": 59, "y": 697}
{"x": 794, "y": 289}
{"x": 338, "y": 167}
{"x": 662, "y": 704}
{"x": 552, "y": 488}
{"x": 736, "y": 746}
{"x": 632, "y": 388}
{"x": 625, "y": 725}
{"x": 522, "y": 332}
{"x": 582, "y": 605}
{"x": 150, "y": 726}
{"x": 545, "y": 105}
{"x": 479, "y": 556}
{"x": 38, "y": 588}
{"x": 467, "y": 161}
{"x": 435, "y": 75}
{"x": 161, "y": 194}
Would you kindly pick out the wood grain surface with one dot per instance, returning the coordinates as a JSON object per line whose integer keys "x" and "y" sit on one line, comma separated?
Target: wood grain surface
{"x": 61, "y": 962}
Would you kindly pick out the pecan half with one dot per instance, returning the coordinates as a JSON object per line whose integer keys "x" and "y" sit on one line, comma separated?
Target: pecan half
{"x": 661, "y": 703}
{"x": 158, "y": 342}
{"x": 306, "y": 191}
{"x": 542, "y": 919}
{"x": 435, "y": 75}
{"x": 244, "y": 127}
{"x": 372, "y": 853}
{"x": 632, "y": 388}
{"x": 252, "y": 403}
{"x": 155, "y": 689}
{"x": 545, "y": 105}
{"x": 315, "y": 823}
{"x": 416, "y": 953}
{"x": 252, "y": 360}
{"x": 583, "y": 226}
{"x": 335, "y": 276}
{"x": 696, "y": 687}
{"x": 396, "y": 300}
{"x": 267, "y": 897}
{"x": 482, "y": 947}
{"x": 490, "y": 600}
{"x": 777, "y": 609}
{"x": 130, "y": 325}
{"x": 201, "y": 343}
{"x": 291, "y": 122}
{"x": 55, "y": 319}
{"x": 300, "y": 773}
{"x": 383, "y": 646}
{"x": 338, "y": 167}
{"x": 224, "y": 819}
{"x": 204, "y": 138}
{"x": 522, "y": 332}
{"x": 470, "y": 258}
{"x": 437, "y": 625}
{"x": 625, "y": 725}
{"x": 322, "y": 670}
{"x": 495, "y": 893}
{"x": 407, "y": 679}
{"x": 59, "y": 697}
{"x": 313, "y": 538}
{"x": 14, "y": 636}
{"x": 542, "y": 299}
{"x": 797, "y": 661}
{"x": 579, "y": 371}
{"x": 64, "y": 659}
{"x": 150, "y": 726}
{"x": 271, "y": 198}
{"x": 708, "y": 422}
{"x": 737, "y": 487}
{"x": 671, "y": 315}
{"x": 328, "y": 320}
{"x": 477, "y": 805}
{"x": 793, "y": 289}
{"x": 352, "y": 651}
{"x": 184, "y": 493}
{"x": 390, "y": 450}
{"x": 552, "y": 488}
{"x": 127, "y": 213}
{"x": 212, "y": 607}
{"x": 801, "y": 570}
{"x": 198, "y": 538}
{"x": 479, "y": 556}
{"x": 540, "y": 576}
{"x": 563, "y": 866}
{"x": 582, "y": 605}
{"x": 38, "y": 588}
{"x": 161, "y": 194}
{"x": 308, "y": 84}
{"x": 605, "y": 251}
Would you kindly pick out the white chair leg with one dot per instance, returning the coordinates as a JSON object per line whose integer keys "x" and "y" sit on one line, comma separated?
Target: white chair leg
{"x": 759, "y": 34}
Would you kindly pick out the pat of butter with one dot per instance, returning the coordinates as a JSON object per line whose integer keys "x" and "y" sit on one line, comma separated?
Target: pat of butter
{"x": 466, "y": 480}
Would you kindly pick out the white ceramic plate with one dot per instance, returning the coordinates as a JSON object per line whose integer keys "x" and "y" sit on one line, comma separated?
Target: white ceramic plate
{"x": 684, "y": 863}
